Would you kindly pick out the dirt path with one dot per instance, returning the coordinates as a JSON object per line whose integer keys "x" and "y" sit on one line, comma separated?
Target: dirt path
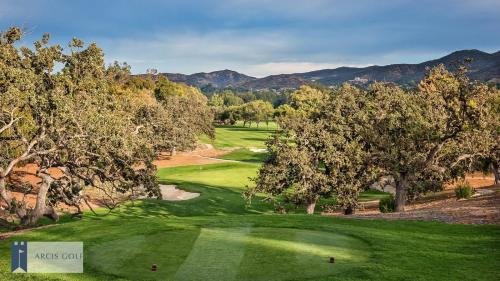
{"x": 8, "y": 234}
{"x": 200, "y": 156}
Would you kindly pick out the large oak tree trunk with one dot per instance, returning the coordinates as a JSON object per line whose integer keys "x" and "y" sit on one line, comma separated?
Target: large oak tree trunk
{"x": 349, "y": 210}
{"x": 41, "y": 208}
{"x": 496, "y": 172}
{"x": 401, "y": 186}
{"x": 311, "y": 205}
{"x": 4, "y": 193}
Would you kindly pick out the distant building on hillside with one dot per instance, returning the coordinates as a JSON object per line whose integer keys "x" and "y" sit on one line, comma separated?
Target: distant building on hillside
{"x": 358, "y": 80}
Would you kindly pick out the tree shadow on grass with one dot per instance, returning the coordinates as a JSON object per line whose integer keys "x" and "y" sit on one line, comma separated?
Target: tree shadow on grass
{"x": 246, "y": 129}
{"x": 213, "y": 201}
{"x": 263, "y": 139}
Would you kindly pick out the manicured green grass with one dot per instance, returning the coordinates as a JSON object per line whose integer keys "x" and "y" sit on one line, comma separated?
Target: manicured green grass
{"x": 245, "y": 155}
{"x": 239, "y": 136}
{"x": 216, "y": 236}
{"x": 269, "y": 247}
{"x": 372, "y": 194}
{"x": 221, "y": 187}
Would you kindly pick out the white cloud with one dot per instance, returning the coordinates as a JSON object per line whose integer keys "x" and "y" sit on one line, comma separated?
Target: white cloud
{"x": 254, "y": 53}
{"x": 191, "y": 51}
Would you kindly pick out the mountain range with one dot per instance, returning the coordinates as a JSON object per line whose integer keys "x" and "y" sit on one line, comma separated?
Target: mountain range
{"x": 482, "y": 66}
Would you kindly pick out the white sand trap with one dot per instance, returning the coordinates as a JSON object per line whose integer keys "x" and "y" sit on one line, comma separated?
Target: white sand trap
{"x": 172, "y": 193}
{"x": 258, "y": 150}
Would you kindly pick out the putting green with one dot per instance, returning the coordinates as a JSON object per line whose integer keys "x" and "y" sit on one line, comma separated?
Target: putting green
{"x": 240, "y": 253}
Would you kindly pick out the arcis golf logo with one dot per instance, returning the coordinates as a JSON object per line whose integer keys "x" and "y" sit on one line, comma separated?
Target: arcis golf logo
{"x": 47, "y": 257}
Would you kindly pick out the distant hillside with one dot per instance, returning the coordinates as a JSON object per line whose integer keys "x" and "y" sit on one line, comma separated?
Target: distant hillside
{"x": 218, "y": 79}
{"x": 484, "y": 67}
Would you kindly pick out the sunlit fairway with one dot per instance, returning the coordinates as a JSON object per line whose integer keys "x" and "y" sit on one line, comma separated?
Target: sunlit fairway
{"x": 220, "y": 185}
{"x": 245, "y": 155}
{"x": 242, "y": 137}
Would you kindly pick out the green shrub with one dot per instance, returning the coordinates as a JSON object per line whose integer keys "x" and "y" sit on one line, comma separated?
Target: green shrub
{"x": 464, "y": 190}
{"x": 387, "y": 204}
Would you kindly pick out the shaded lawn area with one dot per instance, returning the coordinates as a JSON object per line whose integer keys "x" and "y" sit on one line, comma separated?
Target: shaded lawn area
{"x": 245, "y": 155}
{"x": 270, "y": 247}
{"x": 372, "y": 194}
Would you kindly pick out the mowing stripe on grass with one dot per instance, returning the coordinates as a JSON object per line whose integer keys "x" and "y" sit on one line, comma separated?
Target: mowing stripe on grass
{"x": 216, "y": 255}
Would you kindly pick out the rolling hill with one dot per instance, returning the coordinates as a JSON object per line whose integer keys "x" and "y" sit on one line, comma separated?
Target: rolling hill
{"x": 483, "y": 66}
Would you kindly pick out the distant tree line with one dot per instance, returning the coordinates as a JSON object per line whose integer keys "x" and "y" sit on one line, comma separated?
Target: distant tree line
{"x": 230, "y": 107}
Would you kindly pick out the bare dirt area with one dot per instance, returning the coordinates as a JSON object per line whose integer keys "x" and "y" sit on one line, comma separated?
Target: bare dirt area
{"x": 27, "y": 175}
{"x": 476, "y": 180}
{"x": 483, "y": 208}
{"x": 200, "y": 156}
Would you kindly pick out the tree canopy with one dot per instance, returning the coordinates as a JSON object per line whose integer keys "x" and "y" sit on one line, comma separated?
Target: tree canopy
{"x": 98, "y": 126}
{"x": 339, "y": 141}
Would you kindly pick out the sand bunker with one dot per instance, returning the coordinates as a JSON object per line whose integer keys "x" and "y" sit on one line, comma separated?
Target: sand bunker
{"x": 258, "y": 150}
{"x": 172, "y": 193}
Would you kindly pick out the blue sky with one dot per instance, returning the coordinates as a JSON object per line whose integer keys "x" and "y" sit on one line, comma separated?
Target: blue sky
{"x": 262, "y": 37}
